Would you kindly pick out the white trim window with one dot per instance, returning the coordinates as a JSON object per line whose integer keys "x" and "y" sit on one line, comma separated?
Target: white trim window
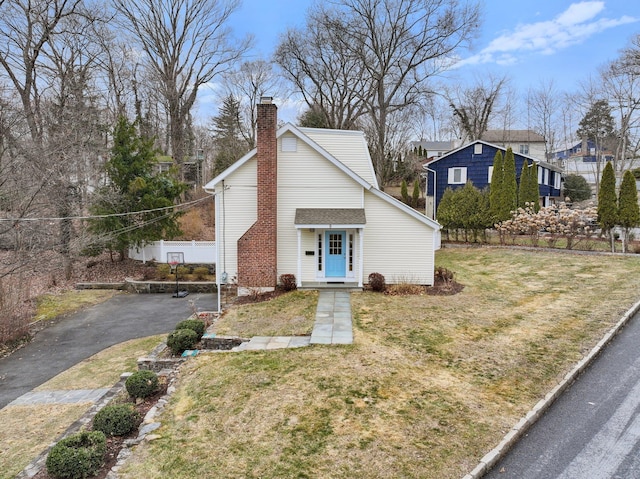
{"x": 457, "y": 175}
{"x": 546, "y": 176}
{"x": 556, "y": 180}
{"x": 524, "y": 149}
{"x": 490, "y": 174}
{"x": 540, "y": 175}
{"x": 477, "y": 149}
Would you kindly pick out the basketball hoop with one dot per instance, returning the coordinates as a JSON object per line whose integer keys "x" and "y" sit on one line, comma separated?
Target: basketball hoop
{"x": 174, "y": 259}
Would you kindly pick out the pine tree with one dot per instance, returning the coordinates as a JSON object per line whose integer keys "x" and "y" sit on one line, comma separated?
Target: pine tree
{"x": 134, "y": 185}
{"x": 533, "y": 188}
{"x": 607, "y": 202}
{"x": 523, "y": 184}
{"x": 415, "y": 196}
{"x": 404, "y": 193}
{"x": 496, "y": 186}
{"x": 628, "y": 211}
{"x": 227, "y": 134}
{"x": 509, "y": 192}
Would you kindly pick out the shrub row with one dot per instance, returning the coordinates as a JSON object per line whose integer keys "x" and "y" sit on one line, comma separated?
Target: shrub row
{"x": 163, "y": 270}
{"x": 186, "y": 335}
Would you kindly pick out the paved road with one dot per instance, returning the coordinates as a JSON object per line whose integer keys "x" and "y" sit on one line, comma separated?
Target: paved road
{"x": 81, "y": 335}
{"x": 593, "y": 430}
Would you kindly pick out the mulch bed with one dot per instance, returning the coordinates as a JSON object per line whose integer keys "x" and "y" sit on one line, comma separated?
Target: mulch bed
{"x": 115, "y": 443}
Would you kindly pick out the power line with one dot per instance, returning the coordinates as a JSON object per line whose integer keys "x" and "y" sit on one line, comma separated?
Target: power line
{"x": 181, "y": 205}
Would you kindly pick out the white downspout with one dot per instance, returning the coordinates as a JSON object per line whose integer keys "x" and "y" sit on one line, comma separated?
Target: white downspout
{"x": 299, "y": 282}
{"x": 361, "y": 265}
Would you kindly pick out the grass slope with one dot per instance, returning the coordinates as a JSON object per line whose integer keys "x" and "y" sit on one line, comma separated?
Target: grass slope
{"x": 430, "y": 384}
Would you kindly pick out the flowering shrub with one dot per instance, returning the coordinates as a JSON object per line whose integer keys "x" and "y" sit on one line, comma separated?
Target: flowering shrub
{"x": 556, "y": 221}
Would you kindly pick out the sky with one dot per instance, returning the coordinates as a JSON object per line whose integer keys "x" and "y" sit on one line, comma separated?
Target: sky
{"x": 529, "y": 41}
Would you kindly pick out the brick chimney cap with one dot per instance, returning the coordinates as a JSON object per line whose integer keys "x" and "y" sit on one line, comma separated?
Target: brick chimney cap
{"x": 266, "y": 100}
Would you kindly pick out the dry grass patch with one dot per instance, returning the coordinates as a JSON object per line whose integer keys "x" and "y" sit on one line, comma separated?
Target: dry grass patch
{"x": 103, "y": 370}
{"x": 25, "y": 431}
{"x": 429, "y": 386}
{"x": 290, "y": 314}
{"x": 49, "y": 306}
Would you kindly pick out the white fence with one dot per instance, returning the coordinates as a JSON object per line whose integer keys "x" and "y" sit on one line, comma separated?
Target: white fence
{"x": 195, "y": 252}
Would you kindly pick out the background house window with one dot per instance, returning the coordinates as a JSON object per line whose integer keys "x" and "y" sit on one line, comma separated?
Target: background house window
{"x": 457, "y": 176}
{"x": 524, "y": 149}
{"x": 540, "y": 175}
{"x": 490, "y": 174}
{"x": 546, "y": 176}
{"x": 477, "y": 149}
{"x": 556, "y": 180}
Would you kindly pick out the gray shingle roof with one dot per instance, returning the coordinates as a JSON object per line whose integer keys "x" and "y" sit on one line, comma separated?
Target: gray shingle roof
{"x": 329, "y": 216}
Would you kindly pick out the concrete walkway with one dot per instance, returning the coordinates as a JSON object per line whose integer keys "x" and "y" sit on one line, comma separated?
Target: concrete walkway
{"x": 332, "y": 326}
{"x": 74, "y": 396}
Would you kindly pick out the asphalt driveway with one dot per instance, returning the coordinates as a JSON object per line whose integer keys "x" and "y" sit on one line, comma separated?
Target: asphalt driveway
{"x": 83, "y": 334}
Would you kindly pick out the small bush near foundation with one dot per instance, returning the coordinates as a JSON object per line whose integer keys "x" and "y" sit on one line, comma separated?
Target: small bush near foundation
{"x": 288, "y": 282}
{"x": 192, "y": 324}
{"x": 377, "y": 282}
{"x": 443, "y": 274}
{"x": 142, "y": 384}
{"x": 78, "y": 456}
{"x": 162, "y": 271}
{"x": 182, "y": 339}
{"x": 201, "y": 272}
{"x": 116, "y": 420}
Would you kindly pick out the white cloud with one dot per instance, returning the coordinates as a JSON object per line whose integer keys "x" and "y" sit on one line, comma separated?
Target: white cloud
{"x": 571, "y": 27}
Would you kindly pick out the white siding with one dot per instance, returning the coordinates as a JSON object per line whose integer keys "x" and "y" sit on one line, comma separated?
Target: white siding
{"x": 349, "y": 147}
{"x": 237, "y": 211}
{"x": 307, "y": 180}
{"x": 397, "y": 245}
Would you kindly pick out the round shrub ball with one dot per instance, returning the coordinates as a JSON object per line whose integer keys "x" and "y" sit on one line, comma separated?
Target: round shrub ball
{"x": 142, "y": 384}
{"x": 182, "y": 339}
{"x": 194, "y": 325}
{"x": 115, "y": 420}
{"x": 78, "y": 456}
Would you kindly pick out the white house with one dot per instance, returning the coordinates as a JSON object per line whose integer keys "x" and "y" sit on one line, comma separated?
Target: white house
{"x": 306, "y": 202}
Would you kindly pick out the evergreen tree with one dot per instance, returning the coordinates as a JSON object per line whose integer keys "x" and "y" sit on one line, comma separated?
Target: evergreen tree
{"x": 628, "y": 211}
{"x": 522, "y": 185}
{"x": 227, "y": 134}
{"x": 404, "y": 193}
{"x": 313, "y": 117}
{"x": 416, "y": 194}
{"x": 528, "y": 191}
{"x": 509, "y": 192}
{"x": 576, "y": 188}
{"x": 607, "y": 203}
{"x": 533, "y": 190}
{"x": 496, "y": 186}
{"x": 446, "y": 214}
{"x": 134, "y": 186}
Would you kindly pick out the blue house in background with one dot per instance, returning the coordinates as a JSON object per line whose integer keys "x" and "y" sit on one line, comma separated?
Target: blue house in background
{"x": 474, "y": 162}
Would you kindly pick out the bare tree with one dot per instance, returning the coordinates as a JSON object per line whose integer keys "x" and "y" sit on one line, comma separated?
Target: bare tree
{"x": 247, "y": 85}
{"x": 187, "y": 43}
{"x": 388, "y": 49}
{"x": 473, "y": 107}
{"x": 543, "y": 105}
{"x": 325, "y": 68}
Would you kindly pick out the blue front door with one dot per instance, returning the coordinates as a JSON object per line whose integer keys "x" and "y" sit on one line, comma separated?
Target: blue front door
{"x": 336, "y": 258}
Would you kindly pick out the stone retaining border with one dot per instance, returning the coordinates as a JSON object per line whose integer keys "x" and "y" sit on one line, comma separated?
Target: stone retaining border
{"x": 509, "y": 440}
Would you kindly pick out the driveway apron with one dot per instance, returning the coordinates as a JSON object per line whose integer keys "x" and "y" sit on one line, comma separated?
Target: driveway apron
{"x": 83, "y": 334}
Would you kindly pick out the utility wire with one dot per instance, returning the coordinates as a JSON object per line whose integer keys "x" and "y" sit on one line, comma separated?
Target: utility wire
{"x": 181, "y": 205}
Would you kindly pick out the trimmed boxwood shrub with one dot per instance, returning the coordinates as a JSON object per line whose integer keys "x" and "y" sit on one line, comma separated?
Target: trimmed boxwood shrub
{"x": 78, "y": 456}
{"x": 116, "y": 420}
{"x": 194, "y": 325}
{"x": 377, "y": 282}
{"x": 182, "y": 339}
{"x": 162, "y": 271}
{"x": 142, "y": 384}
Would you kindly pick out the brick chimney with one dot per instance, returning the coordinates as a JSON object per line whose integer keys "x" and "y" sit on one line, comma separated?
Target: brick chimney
{"x": 258, "y": 247}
